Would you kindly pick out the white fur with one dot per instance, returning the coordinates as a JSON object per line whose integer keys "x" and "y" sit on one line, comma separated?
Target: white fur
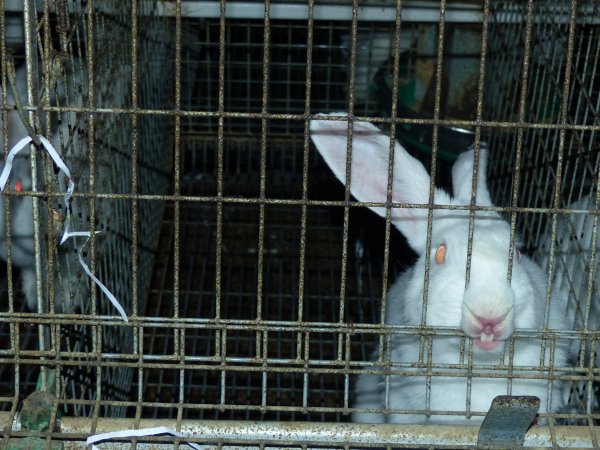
{"x": 518, "y": 305}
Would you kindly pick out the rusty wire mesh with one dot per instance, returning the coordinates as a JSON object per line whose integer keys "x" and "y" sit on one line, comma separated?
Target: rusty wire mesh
{"x": 103, "y": 161}
{"x": 260, "y": 298}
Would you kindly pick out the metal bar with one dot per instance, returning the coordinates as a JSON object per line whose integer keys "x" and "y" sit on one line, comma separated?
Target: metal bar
{"x": 13, "y": 328}
{"x": 29, "y": 23}
{"x": 349, "y": 152}
{"x": 415, "y": 11}
{"x": 335, "y": 434}
{"x": 96, "y": 332}
{"x": 260, "y": 257}
{"x": 134, "y": 142}
{"x": 505, "y": 124}
{"x": 179, "y": 337}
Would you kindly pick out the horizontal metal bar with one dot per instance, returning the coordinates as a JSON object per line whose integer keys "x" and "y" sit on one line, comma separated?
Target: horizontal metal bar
{"x": 293, "y": 202}
{"x": 415, "y": 11}
{"x": 235, "y": 433}
{"x": 271, "y": 325}
{"x": 280, "y": 116}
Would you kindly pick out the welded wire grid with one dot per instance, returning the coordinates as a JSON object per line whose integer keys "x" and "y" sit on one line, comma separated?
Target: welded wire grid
{"x": 290, "y": 254}
{"x": 556, "y": 167}
{"x": 250, "y": 274}
{"x": 266, "y": 285}
{"x": 253, "y": 346}
{"x": 101, "y": 149}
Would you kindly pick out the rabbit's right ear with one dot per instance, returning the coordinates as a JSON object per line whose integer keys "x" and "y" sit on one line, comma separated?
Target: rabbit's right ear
{"x": 462, "y": 178}
{"x": 369, "y": 175}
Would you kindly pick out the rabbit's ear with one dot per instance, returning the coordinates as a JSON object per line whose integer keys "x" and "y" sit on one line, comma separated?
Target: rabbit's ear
{"x": 462, "y": 178}
{"x": 369, "y": 176}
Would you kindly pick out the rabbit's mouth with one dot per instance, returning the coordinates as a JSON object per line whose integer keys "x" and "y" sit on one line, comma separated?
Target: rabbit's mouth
{"x": 487, "y": 342}
{"x": 487, "y": 331}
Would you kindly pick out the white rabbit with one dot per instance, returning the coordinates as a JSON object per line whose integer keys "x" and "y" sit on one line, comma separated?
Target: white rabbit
{"x": 67, "y": 280}
{"x": 488, "y": 310}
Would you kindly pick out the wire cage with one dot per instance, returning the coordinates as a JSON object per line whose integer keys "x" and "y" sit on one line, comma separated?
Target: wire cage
{"x": 78, "y": 42}
{"x": 253, "y": 284}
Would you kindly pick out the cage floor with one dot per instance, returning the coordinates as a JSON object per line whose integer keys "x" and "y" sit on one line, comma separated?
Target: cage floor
{"x": 248, "y": 394}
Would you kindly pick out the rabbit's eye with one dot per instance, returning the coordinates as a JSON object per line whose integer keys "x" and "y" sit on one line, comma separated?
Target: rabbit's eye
{"x": 18, "y": 186}
{"x": 440, "y": 254}
{"x": 518, "y": 254}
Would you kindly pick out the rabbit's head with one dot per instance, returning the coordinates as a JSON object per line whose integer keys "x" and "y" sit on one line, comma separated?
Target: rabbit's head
{"x": 487, "y": 307}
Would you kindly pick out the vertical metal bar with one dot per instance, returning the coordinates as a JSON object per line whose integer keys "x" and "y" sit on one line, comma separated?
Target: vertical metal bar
{"x": 50, "y": 263}
{"x": 134, "y": 182}
{"x": 29, "y": 22}
{"x": 387, "y": 358}
{"x": 91, "y": 144}
{"x": 264, "y": 358}
{"x": 96, "y": 331}
{"x": 304, "y": 211}
{"x": 141, "y": 385}
{"x": 222, "y": 355}
{"x": 346, "y": 224}
{"x": 305, "y": 161}
{"x": 469, "y": 379}
{"x": 13, "y": 327}
{"x": 551, "y": 375}
{"x": 179, "y": 335}
{"x": 134, "y": 156}
{"x": 219, "y": 224}
{"x": 511, "y": 365}
{"x": 482, "y": 64}
{"x": 347, "y": 361}
{"x": 219, "y": 344}
{"x": 520, "y": 130}
{"x": 182, "y": 373}
{"x": 390, "y": 174}
{"x": 263, "y": 157}
{"x": 480, "y": 90}
{"x": 390, "y": 184}
{"x": 54, "y": 328}
{"x": 429, "y": 374}
{"x": 434, "y": 150}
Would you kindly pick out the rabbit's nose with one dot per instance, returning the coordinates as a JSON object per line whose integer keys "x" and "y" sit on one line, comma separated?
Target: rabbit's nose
{"x": 489, "y": 325}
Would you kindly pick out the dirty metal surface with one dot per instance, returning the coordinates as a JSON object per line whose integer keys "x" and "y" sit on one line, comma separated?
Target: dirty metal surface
{"x": 507, "y": 421}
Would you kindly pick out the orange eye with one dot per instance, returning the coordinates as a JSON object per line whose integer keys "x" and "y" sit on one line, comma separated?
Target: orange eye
{"x": 440, "y": 254}
{"x": 18, "y": 186}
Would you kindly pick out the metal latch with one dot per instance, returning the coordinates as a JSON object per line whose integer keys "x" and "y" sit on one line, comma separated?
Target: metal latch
{"x": 507, "y": 421}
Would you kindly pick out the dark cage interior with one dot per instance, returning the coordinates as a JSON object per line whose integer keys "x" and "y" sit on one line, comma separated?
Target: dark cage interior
{"x": 252, "y": 280}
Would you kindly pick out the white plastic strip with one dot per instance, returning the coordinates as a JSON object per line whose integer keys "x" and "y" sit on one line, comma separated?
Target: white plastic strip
{"x": 109, "y": 295}
{"x": 136, "y": 433}
{"x": 53, "y": 154}
{"x": 68, "y": 194}
{"x": 9, "y": 160}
